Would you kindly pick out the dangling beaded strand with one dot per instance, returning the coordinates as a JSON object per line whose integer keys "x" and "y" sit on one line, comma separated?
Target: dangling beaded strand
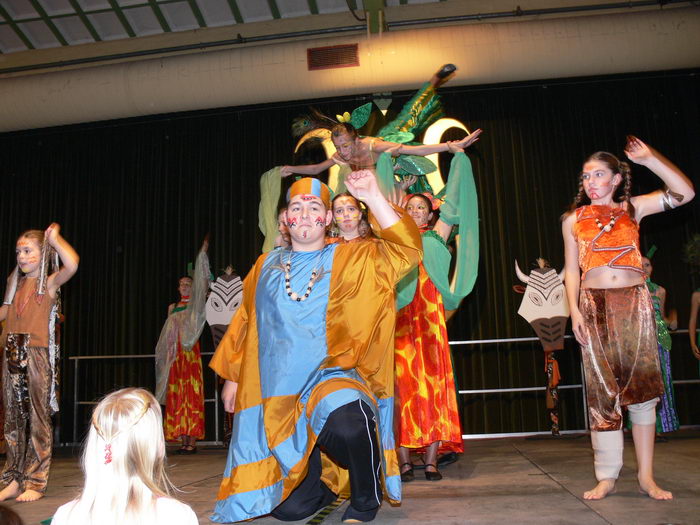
{"x": 287, "y": 281}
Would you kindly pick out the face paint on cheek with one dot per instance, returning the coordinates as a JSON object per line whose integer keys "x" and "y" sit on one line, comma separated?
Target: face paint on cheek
{"x": 319, "y": 222}
{"x": 292, "y": 222}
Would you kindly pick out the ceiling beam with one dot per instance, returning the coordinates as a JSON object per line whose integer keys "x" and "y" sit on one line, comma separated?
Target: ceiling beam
{"x": 274, "y": 9}
{"x": 16, "y": 28}
{"x": 120, "y": 15}
{"x": 236, "y": 11}
{"x": 49, "y": 23}
{"x": 86, "y": 21}
{"x": 159, "y": 15}
{"x": 197, "y": 13}
{"x": 285, "y": 29}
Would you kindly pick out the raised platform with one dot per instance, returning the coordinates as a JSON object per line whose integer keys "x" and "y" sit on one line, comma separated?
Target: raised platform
{"x": 504, "y": 481}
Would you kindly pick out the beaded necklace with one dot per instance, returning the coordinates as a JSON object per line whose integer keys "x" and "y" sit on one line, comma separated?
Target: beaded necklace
{"x": 287, "y": 279}
{"x": 609, "y": 225}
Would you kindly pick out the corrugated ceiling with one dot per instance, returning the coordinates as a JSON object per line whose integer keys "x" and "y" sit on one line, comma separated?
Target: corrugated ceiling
{"x": 41, "y": 24}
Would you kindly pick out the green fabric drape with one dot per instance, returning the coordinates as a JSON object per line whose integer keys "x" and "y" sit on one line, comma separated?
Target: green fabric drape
{"x": 461, "y": 207}
{"x": 270, "y": 188}
{"x": 385, "y": 174}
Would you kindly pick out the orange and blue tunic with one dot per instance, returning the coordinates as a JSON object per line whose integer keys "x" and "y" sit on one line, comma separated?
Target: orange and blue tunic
{"x": 296, "y": 362}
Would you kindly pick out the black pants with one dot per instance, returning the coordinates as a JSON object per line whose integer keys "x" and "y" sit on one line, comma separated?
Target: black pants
{"x": 349, "y": 437}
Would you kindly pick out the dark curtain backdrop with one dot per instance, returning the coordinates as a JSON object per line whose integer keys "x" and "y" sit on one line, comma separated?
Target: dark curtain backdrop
{"x": 136, "y": 197}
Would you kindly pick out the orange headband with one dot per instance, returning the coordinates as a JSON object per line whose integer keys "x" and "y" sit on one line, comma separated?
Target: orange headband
{"x": 310, "y": 186}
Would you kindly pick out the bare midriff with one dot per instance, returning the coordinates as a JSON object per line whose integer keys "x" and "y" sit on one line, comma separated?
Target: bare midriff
{"x": 606, "y": 277}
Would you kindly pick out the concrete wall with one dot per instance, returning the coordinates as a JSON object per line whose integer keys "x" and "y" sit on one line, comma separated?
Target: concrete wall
{"x": 496, "y": 52}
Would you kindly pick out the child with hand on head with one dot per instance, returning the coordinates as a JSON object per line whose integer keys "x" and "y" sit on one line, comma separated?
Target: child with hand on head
{"x": 30, "y": 358}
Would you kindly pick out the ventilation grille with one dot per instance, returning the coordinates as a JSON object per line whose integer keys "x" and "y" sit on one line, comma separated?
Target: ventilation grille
{"x": 332, "y": 57}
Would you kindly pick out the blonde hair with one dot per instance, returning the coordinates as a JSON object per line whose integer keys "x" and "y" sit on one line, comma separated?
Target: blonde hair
{"x": 123, "y": 461}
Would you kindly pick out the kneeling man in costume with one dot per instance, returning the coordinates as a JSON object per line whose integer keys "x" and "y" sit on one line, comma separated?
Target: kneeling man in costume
{"x": 308, "y": 361}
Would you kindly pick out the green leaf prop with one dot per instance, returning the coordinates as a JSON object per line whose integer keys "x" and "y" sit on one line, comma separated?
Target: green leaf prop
{"x": 402, "y": 137}
{"x": 416, "y": 165}
{"x": 360, "y": 115}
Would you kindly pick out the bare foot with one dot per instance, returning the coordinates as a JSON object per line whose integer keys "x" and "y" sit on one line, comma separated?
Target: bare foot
{"x": 602, "y": 489}
{"x": 11, "y": 491}
{"x": 29, "y": 495}
{"x": 651, "y": 489}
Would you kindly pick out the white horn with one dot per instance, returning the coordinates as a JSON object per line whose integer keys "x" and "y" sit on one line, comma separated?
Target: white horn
{"x": 524, "y": 278}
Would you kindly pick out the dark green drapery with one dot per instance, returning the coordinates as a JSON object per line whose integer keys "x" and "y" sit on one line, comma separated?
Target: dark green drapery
{"x": 136, "y": 197}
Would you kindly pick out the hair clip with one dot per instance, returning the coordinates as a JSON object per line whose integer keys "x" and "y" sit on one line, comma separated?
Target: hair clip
{"x": 108, "y": 453}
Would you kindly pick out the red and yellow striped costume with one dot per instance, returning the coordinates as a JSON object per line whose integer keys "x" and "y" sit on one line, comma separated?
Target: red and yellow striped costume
{"x": 184, "y": 405}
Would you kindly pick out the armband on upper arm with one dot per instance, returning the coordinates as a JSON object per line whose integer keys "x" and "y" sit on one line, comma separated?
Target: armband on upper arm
{"x": 670, "y": 199}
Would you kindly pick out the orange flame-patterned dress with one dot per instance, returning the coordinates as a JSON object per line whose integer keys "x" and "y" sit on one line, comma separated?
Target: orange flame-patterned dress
{"x": 426, "y": 408}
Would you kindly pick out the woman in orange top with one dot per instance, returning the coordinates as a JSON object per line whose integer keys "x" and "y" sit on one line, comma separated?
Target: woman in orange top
{"x": 612, "y": 314}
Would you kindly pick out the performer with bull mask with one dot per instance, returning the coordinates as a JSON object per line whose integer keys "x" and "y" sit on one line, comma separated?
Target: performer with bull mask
{"x": 612, "y": 315}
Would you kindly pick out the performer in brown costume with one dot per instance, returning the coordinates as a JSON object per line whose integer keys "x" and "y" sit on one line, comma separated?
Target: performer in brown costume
{"x": 612, "y": 315}
{"x": 29, "y": 360}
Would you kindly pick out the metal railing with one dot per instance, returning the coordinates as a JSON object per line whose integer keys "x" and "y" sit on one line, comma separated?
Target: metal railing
{"x": 77, "y": 403}
{"x": 581, "y": 387}
{"x": 217, "y": 441}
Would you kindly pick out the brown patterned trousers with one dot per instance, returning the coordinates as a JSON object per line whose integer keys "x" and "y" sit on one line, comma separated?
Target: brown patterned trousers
{"x": 26, "y": 377}
{"x": 621, "y": 361}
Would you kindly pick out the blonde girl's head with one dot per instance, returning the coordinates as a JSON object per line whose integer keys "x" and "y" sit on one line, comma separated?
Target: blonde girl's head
{"x": 123, "y": 461}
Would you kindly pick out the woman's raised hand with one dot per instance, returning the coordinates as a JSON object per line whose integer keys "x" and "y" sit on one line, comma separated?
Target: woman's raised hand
{"x": 362, "y": 185}
{"x": 51, "y": 233}
{"x": 408, "y": 182}
{"x": 637, "y": 151}
{"x": 455, "y": 146}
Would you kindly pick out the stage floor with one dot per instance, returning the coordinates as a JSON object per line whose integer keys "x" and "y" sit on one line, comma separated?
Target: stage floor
{"x": 512, "y": 481}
